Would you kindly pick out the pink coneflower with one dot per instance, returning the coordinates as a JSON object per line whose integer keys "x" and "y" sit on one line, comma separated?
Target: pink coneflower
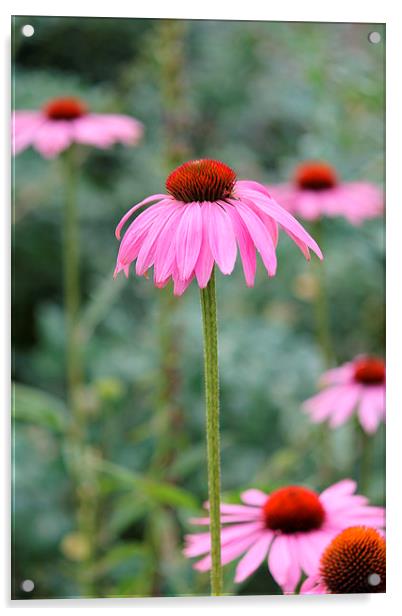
{"x": 354, "y": 562}
{"x": 205, "y": 216}
{"x": 63, "y": 121}
{"x": 357, "y": 385}
{"x": 317, "y": 191}
{"x": 291, "y": 527}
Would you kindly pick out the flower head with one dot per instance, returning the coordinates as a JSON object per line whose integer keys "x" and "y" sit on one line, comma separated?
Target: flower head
{"x": 289, "y": 527}
{"x": 357, "y": 385}
{"x": 354, "y": 562}
{"x": 205, "y": 216}
{"x": 63, "y": 121}
{"x": 316, "y": 190}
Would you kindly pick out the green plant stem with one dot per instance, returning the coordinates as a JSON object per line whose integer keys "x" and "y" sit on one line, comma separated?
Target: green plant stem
{"x": 321, "y": 304}
{"x": 210, "y": 329}
{"x": 71, "y": 281}
{"x": 77, "y": 448}
{"x": 365, "y": 457}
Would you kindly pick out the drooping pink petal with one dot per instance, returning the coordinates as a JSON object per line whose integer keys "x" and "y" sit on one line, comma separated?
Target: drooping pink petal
{"x": 245, "y": 243}
{"x": 52, "y": 137}
{"x": 24, "y": 127}
{"x": 283, "y": 565}
{"x": 200, "y": 544}
{"x": 254, "y": 557}
{"x": 310, "y": 547}
{"x": 146, "y": 254}
{"x": 371, "y": 409}
{"x": 221, "y": 237}
{"x": 259, "y": 234}
{"x": 284, "y": 218}
{"x": 229, "y": 552}
{"x": 205, "y": 261}
{"x": 342, "y": 374}
{"x": 165, "y": 250}
{"x": 345, "y": 405}
{"x": 188, "y": 240}
{"x": 103, "y": 130}
{"x": 135, "y": 207}
{"x": 322, "y": 404}
{"x": 179, "y": 286}
{"x": 313, "y": 586}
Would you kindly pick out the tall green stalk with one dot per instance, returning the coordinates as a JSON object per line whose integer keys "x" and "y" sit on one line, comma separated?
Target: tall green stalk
{"x": 71, "y": 280}
{"x": 321, "y": 304}
{"x": 365, "y": 449}
{"x": 325, "y": 341}
{"x": 210, "y": 329}
{"x": 77, "y": 449}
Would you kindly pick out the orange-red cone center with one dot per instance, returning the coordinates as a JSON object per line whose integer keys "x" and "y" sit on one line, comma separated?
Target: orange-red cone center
{"x": 354, "y": 562}
{"x": 370, "y": 371}
{"x": 201, "y": 180}
{"x": 67, "y": 108}
{"x": 315, "y": 176}
{"x": 293, "y": 509}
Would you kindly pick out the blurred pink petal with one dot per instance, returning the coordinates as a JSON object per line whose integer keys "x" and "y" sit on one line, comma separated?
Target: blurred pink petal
{"x": 357, "y": 386}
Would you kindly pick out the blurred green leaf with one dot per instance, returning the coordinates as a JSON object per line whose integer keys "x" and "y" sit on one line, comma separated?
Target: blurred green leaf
{"x": 126, "y": 511}
{"x": 39, "y": 408}
{"x": 161, "y": 492}
{"x": 118, "y": 555}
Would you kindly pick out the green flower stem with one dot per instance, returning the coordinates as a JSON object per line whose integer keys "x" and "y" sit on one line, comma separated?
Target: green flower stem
{"x": 78, "y": 450}
{"x": 71, "y": 281}
{"x": 321, "y": 304}
{"x": 365, "y": 450}
{"x": 325, "y": 341}
{"x": 210, "y": 327}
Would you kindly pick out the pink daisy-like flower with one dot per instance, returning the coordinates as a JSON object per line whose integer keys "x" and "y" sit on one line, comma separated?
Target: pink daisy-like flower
{"x": 63, "y": 121}
{"x": 290, "y": 526}
{"x": 354, "y": 562}
{"x": 316, "y": 191}
{"x": 357, "y": 385}
{"x": 207, "y": 214}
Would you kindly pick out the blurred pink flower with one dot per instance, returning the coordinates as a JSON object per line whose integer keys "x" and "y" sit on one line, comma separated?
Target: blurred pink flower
{"x": 354, "y": 562}
{"x": 206, "y": 213}
{"x": 291, "y": 527}
{"x": 63, "y": 121}
{"x": 316, "y": 191}
{"x": 357, "y": 385}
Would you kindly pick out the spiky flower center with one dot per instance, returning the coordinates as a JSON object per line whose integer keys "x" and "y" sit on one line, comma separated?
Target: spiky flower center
{"x": 354, "y": 562}
{"x": 293, "y": 509}
{"x": 67, "y": 108}
{"x": 315, "y": 176}
{"x": 370, "y": 371}
{"x": 201, "y": 180}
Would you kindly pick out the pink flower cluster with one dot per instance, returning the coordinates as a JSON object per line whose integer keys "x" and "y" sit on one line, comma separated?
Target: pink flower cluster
{"x": 288, "y": 529}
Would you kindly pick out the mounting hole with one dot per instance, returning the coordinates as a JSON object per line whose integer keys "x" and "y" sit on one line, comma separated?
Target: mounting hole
{"x": 374, "y": 579}
{"x": 28, "y": 30}
{"x": 374, "y": 37}
{"x": 27, "y": 586}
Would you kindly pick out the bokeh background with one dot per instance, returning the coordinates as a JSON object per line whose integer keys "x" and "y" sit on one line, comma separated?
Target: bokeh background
{"x": 261, "y": 97}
